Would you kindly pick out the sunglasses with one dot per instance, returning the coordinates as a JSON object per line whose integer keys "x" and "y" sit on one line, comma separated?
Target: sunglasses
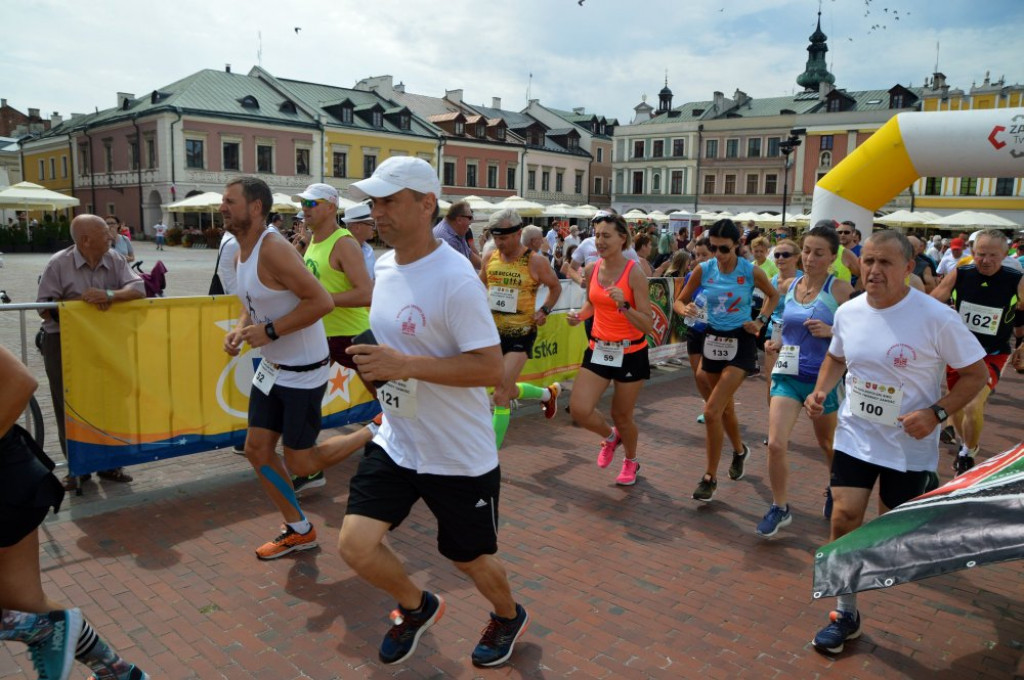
{"x": 725, "y": 250}
{"x": 306, "y": 203}
{"x": 783, "y": 255}
{"x": 843, "y": 231}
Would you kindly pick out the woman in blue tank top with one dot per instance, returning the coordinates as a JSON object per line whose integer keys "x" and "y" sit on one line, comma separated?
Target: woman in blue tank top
{"x": 730, "y": 343}
{"x": 787, "y": 259}
{"x": 810, "y": 306}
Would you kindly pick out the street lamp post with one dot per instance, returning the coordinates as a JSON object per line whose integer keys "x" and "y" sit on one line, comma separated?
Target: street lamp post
{"x": 787, "y": 147}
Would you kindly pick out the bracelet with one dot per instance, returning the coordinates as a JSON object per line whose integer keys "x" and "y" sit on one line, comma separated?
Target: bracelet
{"x": 546, "y": 310}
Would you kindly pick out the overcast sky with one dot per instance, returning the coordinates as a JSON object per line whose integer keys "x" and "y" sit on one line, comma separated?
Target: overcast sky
{"x": 73, "y": 56}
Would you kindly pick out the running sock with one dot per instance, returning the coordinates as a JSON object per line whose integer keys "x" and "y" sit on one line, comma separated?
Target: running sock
{"x": 528, "y": 391}
{"x": 301, "y": 527}
{"x": 847, "y": 603}
{"x": 95, "y": 653}
{"x": 284, "y": 486}
{"x": 612, "y": 436}
{"x": 22, "y": 626}
{"x": 501, "y": 418}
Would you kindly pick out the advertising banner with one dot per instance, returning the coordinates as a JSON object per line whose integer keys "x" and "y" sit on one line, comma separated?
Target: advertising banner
{"x": 149, "y": 379}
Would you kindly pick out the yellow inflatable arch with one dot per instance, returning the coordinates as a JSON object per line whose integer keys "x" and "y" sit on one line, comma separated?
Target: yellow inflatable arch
{"x": 987, "y": 143}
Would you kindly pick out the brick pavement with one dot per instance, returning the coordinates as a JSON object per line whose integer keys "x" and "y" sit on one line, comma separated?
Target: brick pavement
{"x": 620, "y": 583}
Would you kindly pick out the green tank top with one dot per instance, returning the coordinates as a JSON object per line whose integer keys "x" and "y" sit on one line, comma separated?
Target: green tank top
{"x": 343, "y": 321}
{"x": 840, "y": 270}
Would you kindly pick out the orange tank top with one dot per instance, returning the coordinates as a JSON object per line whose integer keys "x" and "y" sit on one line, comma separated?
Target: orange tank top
{"x": 610, "y": 324}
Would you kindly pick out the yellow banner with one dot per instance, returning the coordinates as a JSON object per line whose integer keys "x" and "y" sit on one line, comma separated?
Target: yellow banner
{"x": 149, "y": 379}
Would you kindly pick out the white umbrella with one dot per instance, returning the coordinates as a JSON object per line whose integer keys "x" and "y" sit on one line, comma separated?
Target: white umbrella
{"x": 586, "y": 212}
{"x": 559, "y": 210}
{"x": 657, "y": 216}
{"x": 206, "y": 202}
{"x": 283, "y": 203}
{"x": 27, "y": 195}
{"x": 522, "y": 206}
{"x": 970, "y": 218}
{"x": 746, "y": 217}
{"x": 635, "y": 214}
{"x": 903, "y": 218}
{"x": 478, "y": 204}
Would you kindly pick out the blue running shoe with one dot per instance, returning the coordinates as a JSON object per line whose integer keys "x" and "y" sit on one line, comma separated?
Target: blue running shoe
{"x": 54, "y": 655}
{"x": 844, "y": 626}
{"x": 499, "y": 637}
{"x": 826, "y": 510}
{"x": 774, "y": 519}
{"x": 133, "y": 673}
{"x": 407, "y": 627}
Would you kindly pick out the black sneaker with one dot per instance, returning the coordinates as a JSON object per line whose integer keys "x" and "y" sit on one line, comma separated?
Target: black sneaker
{"x": 314, "y": 481}
{"x": 738, "y": 459}
{"x": 407, "y": 627}
{"x": 962, "y": 464}
{"x": 706, "y": 489}
{"x": 947, "y": 435}
{"x": 499, "y": 637}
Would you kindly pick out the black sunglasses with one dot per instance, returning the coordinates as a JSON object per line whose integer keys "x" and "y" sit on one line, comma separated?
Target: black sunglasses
{"x": 843, "y": 231}
{"x": 721, "y": 249}
{"x": 783, "y": 255}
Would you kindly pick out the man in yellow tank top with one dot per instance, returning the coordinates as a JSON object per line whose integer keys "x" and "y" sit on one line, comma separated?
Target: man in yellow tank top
{"x": 336, "y": 260}
{"x": 846, "y": 266}
{"x": 512, "y": 274}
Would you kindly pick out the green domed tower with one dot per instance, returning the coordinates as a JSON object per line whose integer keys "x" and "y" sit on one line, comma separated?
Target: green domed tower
{"x": 817, "y": 70}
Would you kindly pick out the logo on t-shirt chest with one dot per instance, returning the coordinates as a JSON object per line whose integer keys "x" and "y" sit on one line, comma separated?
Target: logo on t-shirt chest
{"x": 411, "y": 319}
{"x": 901, "y": 355}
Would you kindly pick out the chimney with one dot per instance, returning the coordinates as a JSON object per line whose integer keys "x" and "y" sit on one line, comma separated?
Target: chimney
{"x": 579, "y": 110}
{"x": 76, "y": 115}
{"x": 453, "y": 95}
{"x": 3, "y": 103}
{"x": 55, "y": 120}
{"x": 533, "y": 101}
{"x": 824, "y": 87}
{"x": 938, "y": 80}
{"x": 495, "y": 102}
{"x": 33, "y": 113}
{"x": 227, "y": 68}
{"x": 740, "y": 97}
{"x": 122, "y": 97}
{"x": 400, "y": 88}
{"x": 719, "y": 101}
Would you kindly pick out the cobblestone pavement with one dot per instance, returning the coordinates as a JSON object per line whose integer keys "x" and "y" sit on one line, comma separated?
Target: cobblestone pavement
{"x": 620, "y": 582}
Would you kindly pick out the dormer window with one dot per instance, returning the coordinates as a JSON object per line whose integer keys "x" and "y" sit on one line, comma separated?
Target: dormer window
{"x": 378, "y": 119}
{"x": 481, "y": 130}
{"x": 346, "y": 114}
{"x": 573, "y": 143}
{"x": 460, "y": 127}
{"x": 500, "y": 133}
{"x": 897, "y": 102}
{"x": 602, "y": 128}
{"x": 404, "y": 121}
{"x": 249, "y": 102}
{"x": 833, "y": 105}
{"x": 288, "y": 107}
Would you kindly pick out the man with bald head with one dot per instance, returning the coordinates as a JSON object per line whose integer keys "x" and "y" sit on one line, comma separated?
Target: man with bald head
{"x": 92, "y": 272}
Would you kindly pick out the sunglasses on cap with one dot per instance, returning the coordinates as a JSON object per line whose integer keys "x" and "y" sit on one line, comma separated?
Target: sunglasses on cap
{"x": 782, "y": 255}
{"x": 306, "y": 203}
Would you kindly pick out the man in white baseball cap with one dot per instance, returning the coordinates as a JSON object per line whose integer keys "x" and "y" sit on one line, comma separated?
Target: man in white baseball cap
{"x": 358, "y": 220}
{"x": 438, "y": 352}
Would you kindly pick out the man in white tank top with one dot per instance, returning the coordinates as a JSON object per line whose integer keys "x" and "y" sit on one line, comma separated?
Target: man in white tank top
{"x": 438, "y": 351}
{"x": 282, "y": 307}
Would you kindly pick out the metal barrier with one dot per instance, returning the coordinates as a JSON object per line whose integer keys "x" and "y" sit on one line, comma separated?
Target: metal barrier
{"x": 22, "y": 309}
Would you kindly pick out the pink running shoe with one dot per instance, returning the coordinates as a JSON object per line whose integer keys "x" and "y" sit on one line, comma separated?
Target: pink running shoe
{"x": 604, "y": 458}
{"x": 628, "y": 475}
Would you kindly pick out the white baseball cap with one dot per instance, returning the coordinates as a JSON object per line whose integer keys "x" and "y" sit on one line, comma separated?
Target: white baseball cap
{"x": 395, "y": 174}
{"x": 360, "y": 212}
{"x": 318, "y": 192}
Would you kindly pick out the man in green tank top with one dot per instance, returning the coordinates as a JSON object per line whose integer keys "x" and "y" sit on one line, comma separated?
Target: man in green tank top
{"x": 336, "y": 260}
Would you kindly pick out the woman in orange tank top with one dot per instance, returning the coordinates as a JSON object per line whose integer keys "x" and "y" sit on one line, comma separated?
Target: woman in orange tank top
{"x": 617, "y": 299}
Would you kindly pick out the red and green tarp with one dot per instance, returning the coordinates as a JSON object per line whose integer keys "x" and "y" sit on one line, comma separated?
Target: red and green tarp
{"x": 975, "y": 519}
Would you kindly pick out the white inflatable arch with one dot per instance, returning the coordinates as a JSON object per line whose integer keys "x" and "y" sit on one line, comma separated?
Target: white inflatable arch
{"x": 985, "y": 143}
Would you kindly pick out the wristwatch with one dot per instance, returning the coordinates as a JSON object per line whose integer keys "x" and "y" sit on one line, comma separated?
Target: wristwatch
{"x": 762, "y": 318}
{"x": 625, "y": 307}
{"x": 940, "y": 412}
{"x": 110, "y": 295}
{"x": 546, "y": 310}
{"x": 270, "y": 331}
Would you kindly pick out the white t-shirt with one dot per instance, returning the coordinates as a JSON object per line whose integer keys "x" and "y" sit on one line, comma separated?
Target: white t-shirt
{"x": 948, "y": 262}
{"x": 906, "y": 346}
{"x": 436, "y": 307}
{"x": 228, "y": 265}
{"x": 369, "y": 258}
{"x": 587, "y": 253}
{"x": 160, "y": 228}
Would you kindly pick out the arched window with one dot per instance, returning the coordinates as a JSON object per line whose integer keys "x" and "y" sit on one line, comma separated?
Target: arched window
{"x": 825, "y": 159}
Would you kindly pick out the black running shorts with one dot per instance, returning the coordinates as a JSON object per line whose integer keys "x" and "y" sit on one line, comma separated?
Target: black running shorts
{"x": 466, "y": 508}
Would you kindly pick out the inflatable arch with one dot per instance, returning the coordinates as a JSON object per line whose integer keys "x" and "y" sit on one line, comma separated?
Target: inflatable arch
{"x": 986, "y": 143}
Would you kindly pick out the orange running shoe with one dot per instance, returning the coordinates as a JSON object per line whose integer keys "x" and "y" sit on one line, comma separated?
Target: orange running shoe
{"x": 288, "y": 541}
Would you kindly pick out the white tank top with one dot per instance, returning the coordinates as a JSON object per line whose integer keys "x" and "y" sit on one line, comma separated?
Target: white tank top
{"x": 300, "y": 348}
